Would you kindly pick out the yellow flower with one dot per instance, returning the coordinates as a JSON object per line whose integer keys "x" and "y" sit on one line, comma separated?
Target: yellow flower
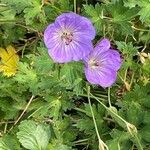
{"x": 9, "y": 61}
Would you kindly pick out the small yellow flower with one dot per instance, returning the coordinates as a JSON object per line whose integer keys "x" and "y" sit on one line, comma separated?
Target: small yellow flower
{"x": 9, "y": 61}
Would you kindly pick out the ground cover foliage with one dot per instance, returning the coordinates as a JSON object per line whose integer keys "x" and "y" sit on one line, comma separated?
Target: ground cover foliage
{"x": 50, "y": 106}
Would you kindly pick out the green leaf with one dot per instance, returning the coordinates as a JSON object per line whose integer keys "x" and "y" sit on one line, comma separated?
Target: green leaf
{"x": 145, "y": 133}
{"x": 27, "y": 75}
{"x": 139, "y": 94}
{"x": 127, "y": 48}
{"x": 134, "y": 113}
{"x": 18, "y": 5}
{"x": 57, "y": 145}
{"x": 146, "y": 67}
{"x": 72, "y": 74}
{"x": 7, "y": 14}
{"x": 64, "y": 130}
{"x": 9, "y": 143}
{"x": 35, "y": 11}
{"x": 65, "y": 5}
{"x": 96, "y": 15}
{"x": 85, "y": 124}
{"x": 130, "y": 3}
{"x": 146, "y": 119}
{"x": 122, "y": 17}
{"x": 42, "y": 62}
{"x": 33, "y": 136}
{"x": 120, "y": 140}
{"x": 144, "y": 12}
{"x": 7, "y": 106}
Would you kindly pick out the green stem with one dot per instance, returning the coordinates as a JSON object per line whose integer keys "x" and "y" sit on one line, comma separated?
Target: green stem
{"x": 100, "y": 98}
{"x": 102, "y": 145}
{"x": 93, "y": 115}
{"x": 109, "y": 97}
{"x": 138, "y": 142}
{"x": 75, "y": 6}
{"x": 138, "y": 29}
{"x": 86, "y": 2}
{"x": 133, "y": 133}
{"x": 109, "y": 110}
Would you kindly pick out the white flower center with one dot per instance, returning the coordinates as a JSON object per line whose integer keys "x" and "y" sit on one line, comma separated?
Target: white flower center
{"x": 94, "y": 64}
{"x": 67, "y": 37}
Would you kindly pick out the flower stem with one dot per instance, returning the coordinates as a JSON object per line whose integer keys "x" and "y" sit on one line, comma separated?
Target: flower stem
{"x": 75, "y": 6}
{"x": 102, "y": 145}
{"x": 138, "y": 29}
{"x": 109, "y": 97}
{"x": 23, "y": 112}
{"x": 129, "y": 127}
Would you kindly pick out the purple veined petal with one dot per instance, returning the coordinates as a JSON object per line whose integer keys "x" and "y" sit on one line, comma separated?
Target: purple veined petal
{"x": 75, "y": 51}
{"x": 65, "y": 21}
{"x": 51, "y": 35}
{"x": 102, "y": 46}
{"x": 102, "y": 64}
{"x": 78, "y": 24}
{"x": 69, "y": 38}
{"x": 60, "y": 54}
{"x": 81, "y": 49}
{"x": 99, "y": 53}
{"x": 85, "y": 29}
{"x": 104, "y": 77}
{"x": 111, "y": 59}
{"x": 91, "y": 75}
{"x": 107, "y": 77}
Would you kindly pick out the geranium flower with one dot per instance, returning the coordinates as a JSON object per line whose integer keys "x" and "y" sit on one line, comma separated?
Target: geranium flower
{"x": 69, "y": 38}
{"x": 102, "y": 64}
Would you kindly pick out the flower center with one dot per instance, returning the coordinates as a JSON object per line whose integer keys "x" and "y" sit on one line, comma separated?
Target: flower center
{"x": 67, "y": 37}
{"x": 94, "y": 64}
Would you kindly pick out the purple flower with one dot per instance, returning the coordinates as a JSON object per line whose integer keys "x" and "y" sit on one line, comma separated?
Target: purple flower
{"x": 102, "y": 64}
{"x": 69, "y": 38}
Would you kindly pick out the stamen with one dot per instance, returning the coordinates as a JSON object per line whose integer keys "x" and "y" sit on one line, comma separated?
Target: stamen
{"x": 94, "y": 64}
{"x": 67, "y": 37}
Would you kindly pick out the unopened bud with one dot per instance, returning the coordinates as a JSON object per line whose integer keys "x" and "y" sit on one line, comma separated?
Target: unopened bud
{"x": 102, "y": 145}
{"x": 148, "y": 56}
{"x": 127, "y": 85}
{"x": 144, "y": 54}
{"x": 131, "y": 128}
{"x": 142, "y": 59}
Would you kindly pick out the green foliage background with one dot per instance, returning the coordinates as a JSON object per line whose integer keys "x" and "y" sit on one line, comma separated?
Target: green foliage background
{"x": 45, "y": 106}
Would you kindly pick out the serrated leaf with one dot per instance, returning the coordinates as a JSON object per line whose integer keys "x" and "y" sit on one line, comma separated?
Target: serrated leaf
{"x": 27, "y": 75}
{"x": 9, "y": 143}
{"x": 96, "y": 15}
{"x": 130, "y": 3}
{"x": 18, "y": 5}
{"x": 7, "y": 14}
{"x": 120, "y": 140}
{"x": 127, "y": 48}
{"x": 43, "y": 62}
{"x": 9, "y": 61}
{"x": 121, "y": 17}
{"x": 144, "y": 12}
{"x": 72, "y": 74}
{"x": 64, "y": 5}
{"x": 57, "y": 145}
{"x": 85, "y": 124}
{"x": 145, "y": 133}
{"x": 33, "y": 136}
{"x": 134, "y": 114}
{"x": 35, "y": 11}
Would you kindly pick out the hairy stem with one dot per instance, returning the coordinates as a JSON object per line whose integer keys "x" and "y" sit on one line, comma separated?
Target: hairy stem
{"x": 102, "y": 145}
